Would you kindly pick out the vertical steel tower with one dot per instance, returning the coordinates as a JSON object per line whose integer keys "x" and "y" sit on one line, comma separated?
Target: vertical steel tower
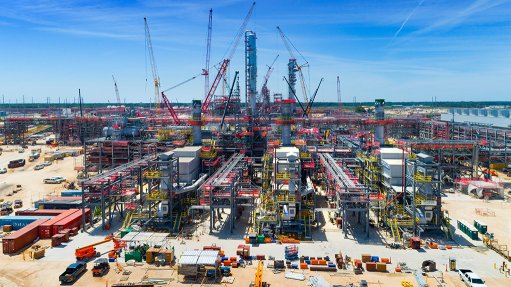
{"x": 250, "y": 72}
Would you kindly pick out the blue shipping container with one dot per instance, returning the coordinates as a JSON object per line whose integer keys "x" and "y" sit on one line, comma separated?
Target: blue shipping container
{"x": 70, "y": 193}
{"x": 19, "y": 222}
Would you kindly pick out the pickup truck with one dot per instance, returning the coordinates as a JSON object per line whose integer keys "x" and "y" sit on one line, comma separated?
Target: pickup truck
{"x": 73, "y": 272}
{"x": 101, "y": 267}
{"x": 470, "y": 278}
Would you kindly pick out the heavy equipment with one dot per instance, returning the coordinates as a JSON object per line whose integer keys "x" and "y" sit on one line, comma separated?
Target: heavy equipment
{"x": 258, "y": 282}
{"x": 89, "y": 251}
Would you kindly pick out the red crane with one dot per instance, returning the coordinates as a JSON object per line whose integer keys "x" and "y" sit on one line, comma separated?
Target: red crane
{"x": 169, "y": 107}
{"x": 225, "y": 63}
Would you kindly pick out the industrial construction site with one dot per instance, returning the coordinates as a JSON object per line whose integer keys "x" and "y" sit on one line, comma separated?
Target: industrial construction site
{"x": 247, "y": 187}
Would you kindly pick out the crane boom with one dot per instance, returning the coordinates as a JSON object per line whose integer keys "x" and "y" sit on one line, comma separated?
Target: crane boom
{"x": 205, "y": 71}
{"x": 268, "y": 73}
{"x": 170, "y": 108}
{"x": 107, "y": 239}
{"x": 309, "y": 105}
{"x": 154, "y": 70}
{"x": 225, "y": 63}
{"x": 182, "y": 83}
{"x": 116, "y": 91}
{"x": 288, "y": 45}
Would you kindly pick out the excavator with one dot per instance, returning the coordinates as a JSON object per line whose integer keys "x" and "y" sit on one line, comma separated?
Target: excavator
{"x": 89, "y": 251}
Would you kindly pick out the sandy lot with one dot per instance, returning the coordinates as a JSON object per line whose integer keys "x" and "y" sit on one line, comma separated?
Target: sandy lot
{"x": 461, "y": 206}
{"x": 32, "y": 180}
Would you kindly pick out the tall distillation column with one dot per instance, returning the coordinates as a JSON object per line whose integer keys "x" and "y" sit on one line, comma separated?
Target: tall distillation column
{"x": 250, "y": 72}
{"x": 196, "y": 122}
{"x": 379, "y": 116}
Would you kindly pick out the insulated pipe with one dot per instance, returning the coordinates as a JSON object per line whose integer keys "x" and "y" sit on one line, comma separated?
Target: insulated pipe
{"x": 194, "y": 186}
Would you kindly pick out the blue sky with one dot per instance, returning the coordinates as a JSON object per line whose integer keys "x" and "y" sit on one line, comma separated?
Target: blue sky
{"x": 398, "y": 50}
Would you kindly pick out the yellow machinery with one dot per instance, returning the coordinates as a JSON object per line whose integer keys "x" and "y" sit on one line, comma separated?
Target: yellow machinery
{"x": 258, "y": 282}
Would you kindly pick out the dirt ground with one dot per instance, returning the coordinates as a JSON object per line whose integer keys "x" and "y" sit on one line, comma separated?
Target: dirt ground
{"x": 37, "y": 273}
{"x": 31, "y": 180}
{"x": 461, "y": 206}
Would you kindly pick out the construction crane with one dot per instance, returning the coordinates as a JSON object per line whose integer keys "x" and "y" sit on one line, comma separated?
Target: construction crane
{"x": 236, "y": 75}
{"x": 339, "y": 94}
{"x": 296, "y": 97}
{"x": 288, "y": 45}
{"x": 205, "y": 71}
{"x": 154, "y": 70}
{"x": 169, "y": 107}
{"x": 265, "y": 92}
{"x": 225, "y": 63}
{"x": 309, "y": 105}
{"x": 87, "y": 252}
{"x": 116, "y": 91}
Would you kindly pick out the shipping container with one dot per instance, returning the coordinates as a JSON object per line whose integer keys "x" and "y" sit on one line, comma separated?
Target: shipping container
{"x": 57, "y": 204}
{"x": 46, "y": 229}
{"x": 19, "y": 222}
{"x": 20, "y": 239}
{"x": 73, "y": 220}
{"x": 39, "y": 212}
{"x": 71, "y": 193}
{"x": 64, "y": 198}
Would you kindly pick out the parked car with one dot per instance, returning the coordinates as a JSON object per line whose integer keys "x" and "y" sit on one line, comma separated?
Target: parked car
{"x": 18, "y": 203}
{"x": 47, "y": 163}
{"x": 73, "y": 272}
{"x": 3, "y": 170}
{"x": 39, "y": 166}
{"x": 55, "y": 179}
{"x": 470, "y": 278}
{"x": 16, "y": 163}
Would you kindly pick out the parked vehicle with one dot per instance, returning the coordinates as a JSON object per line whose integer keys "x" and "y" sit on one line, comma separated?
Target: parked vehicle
{"x": 16, "y": 163}
{"x": 47, "y": 163}
{"x": 101, "y": 267}
{"x": 5, "y": 209}
{"x": 18, "y": 203}
{"x": 21, "y": 150}
{"x": 73, "y": 272}
{"x": 470, "y": 278}
{"x": 3, "y": 170}
{"x": 54, "y": 180}
{"x": 39, "y": 166}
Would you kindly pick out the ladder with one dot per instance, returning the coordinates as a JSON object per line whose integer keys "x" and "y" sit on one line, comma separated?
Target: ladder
{"x": 127, "y": 220}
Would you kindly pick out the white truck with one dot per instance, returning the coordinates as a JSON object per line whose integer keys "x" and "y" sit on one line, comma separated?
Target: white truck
{"x": 470, "y": 278}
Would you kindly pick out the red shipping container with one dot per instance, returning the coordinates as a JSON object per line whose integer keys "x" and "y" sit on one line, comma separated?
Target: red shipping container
{"x": 18, "y": 240}
{"x": 57, "y": 239}
{"x": 73, "y": 220}
{"x": 65, "y": 232}
{"x": 45, "y": 229}
{"x": 39, "y": 212}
